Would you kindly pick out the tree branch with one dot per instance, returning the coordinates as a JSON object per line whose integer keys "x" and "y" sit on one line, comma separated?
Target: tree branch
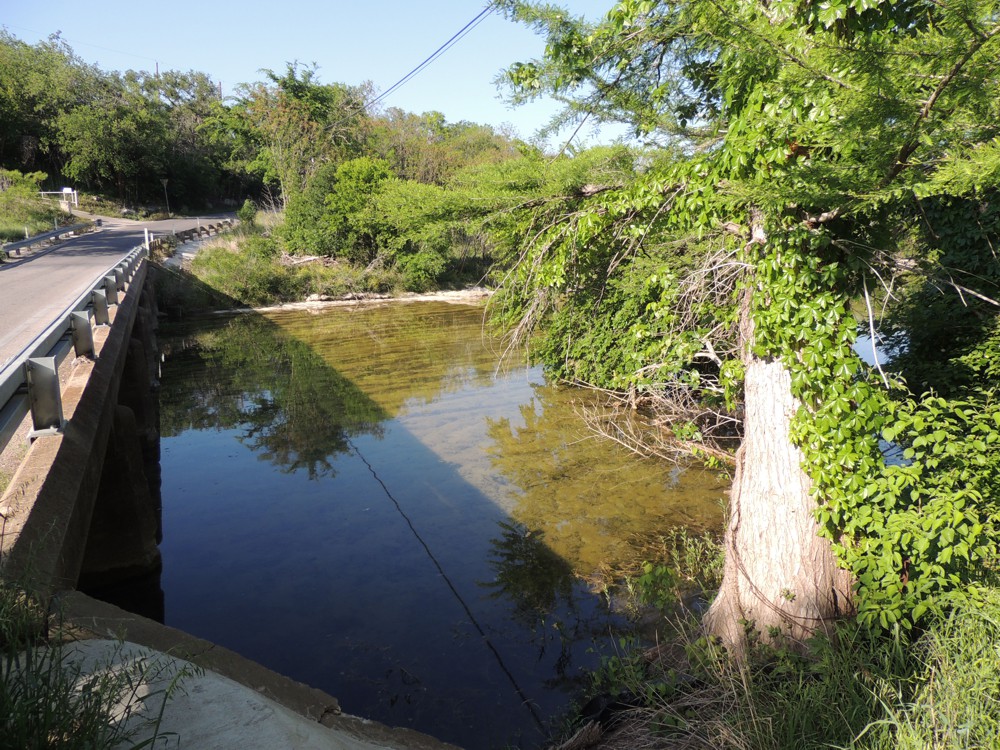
{"x": 911, "y": 145}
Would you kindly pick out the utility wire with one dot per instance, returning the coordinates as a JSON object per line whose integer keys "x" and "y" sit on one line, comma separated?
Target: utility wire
{"x": 525, "y": 701}
{"x": 457, "y": 37}
{"x": 77, "y": 43}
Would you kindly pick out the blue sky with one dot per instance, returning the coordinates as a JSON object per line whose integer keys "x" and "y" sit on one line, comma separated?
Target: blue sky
{"x": 375, "y": 40}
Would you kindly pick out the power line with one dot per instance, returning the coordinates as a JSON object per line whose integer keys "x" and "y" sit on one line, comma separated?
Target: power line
{"x": 525, "y": 700}
{"x": 76, "y": 43}
{"x": 455, "y": 39}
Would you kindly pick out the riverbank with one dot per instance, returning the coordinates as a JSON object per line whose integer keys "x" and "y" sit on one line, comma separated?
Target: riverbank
{"x": 472, "y": 295}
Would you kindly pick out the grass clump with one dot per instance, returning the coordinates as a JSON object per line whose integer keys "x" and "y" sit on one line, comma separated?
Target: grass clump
{"x": 859, "y": 690}
{"x": 49, "y": 700}
{"x": 246, "y": 267}
{"x": 687, "y": 566}
{"x": 249, "y": 268}
{"x": 957, "y": 700}
{"x": 259, "y": 265}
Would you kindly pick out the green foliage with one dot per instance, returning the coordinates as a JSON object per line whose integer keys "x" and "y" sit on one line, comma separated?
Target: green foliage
{"x": 21, "y": 184}
{"x": 917, "y": 534}
{"x": 251, "y": 275}
{"x": 422, "y": 230}
{"x": 251, "y": 271}
{"x": 657, "y": 585}
{"x": 22, "y": 208}
{"x": 303, "y": 229}
{"x": 426, "y": 149}
{"x": 865, "y": 688}
{"x": 428, "y": 234}
{"x": 349, "y": 217}
{"x": 687, "y": 565}
{"x": 282, "y": 130}
{"x": 955, "y": 702}
{"x": 817, "y": 144}
{"x": 247, "y": 213}
{"x": 335, "y": 215}
{"x": 118, "y": 133}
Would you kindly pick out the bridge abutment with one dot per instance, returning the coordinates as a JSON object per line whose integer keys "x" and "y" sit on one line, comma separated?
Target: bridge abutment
{"x": 123, "y": 537}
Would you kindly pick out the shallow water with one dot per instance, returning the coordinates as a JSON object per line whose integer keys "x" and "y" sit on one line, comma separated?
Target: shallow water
{"x": 360, "y": 499}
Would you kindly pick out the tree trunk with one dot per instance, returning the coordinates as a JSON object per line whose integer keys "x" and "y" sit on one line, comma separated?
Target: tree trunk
{"x": 780, "y": 578}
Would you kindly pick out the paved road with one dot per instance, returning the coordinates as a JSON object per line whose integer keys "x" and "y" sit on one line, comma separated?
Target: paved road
{"x": 35, "y": 290}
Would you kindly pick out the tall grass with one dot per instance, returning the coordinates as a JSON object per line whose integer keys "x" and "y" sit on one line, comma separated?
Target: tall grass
{"x": 48, "y": 699}
{"x": 956, "y": 703}
{"x": 20, "y": 212}
{"x": 859, "y": 690}
{"x": 248, "y": 267}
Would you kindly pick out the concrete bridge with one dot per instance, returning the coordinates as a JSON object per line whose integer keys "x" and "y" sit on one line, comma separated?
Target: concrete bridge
{"x": 85, "y": 385}
{"x": 79, "y": 381}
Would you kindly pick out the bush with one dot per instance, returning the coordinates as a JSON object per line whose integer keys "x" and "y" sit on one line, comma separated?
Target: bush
{"x": 251, "y": 275}
{"x": 247, "y": 213}
{"x": 22, "y": 208}
{"x": 334, "y": 216}
{"x": 421, "y": 270}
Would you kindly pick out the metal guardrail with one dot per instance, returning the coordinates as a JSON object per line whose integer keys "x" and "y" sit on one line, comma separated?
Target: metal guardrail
{"x": 30, "y": 381}
{"x": 16, "y": 246}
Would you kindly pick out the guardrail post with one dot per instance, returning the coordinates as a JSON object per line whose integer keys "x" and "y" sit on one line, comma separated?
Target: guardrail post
{"x": 99, "y": 299}
{"x": 83, "y": 334}
{"x": 119, "y": 279}
{"x": 111, "y": 289}
{"x": 44, "y": 395}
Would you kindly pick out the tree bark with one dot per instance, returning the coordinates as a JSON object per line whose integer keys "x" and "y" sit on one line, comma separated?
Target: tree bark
{"x": 781, "y": 578}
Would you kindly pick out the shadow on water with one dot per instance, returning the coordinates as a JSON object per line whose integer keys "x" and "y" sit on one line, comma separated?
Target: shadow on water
{"x": 320, "y": 518}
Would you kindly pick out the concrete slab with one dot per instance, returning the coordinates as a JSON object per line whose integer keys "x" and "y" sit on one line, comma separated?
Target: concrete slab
{"x": 170, "y": 698}
{"x": 304, "y": 708}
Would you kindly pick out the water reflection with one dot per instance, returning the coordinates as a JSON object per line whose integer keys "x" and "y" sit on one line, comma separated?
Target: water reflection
{"x": 528, "y": 574}
{"x": 360, "y": 500}
{"x": 585, "y": 496}
{"x": 287, "y": 405}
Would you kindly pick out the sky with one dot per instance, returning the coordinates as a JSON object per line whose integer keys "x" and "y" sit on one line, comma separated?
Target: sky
{"x": 351, "y": 42}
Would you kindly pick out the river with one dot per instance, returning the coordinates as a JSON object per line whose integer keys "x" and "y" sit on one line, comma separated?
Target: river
{"x": 368, "y": 500}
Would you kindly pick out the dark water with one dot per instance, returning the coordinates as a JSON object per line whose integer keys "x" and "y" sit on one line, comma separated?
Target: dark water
{"x": 360, "y": 500}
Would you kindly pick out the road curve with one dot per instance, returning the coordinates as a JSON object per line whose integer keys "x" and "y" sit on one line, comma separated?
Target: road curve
{"x": 35, "y": 290}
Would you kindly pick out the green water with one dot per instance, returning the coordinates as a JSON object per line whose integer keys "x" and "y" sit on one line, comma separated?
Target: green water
{"x": 366, "y": 500}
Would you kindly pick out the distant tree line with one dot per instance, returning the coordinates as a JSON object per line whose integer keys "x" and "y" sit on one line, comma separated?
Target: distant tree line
{"x": 121, "y": 134}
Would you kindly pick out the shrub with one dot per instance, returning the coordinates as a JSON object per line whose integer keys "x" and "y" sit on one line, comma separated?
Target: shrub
{"x": 247, "y": 213}
{"x": 251, "y": 275}
{"x": 421, "y": 270}
{"x": 21, "y": 207}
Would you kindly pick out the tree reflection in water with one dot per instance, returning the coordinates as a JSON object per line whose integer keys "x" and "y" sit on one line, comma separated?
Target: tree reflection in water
{"x": 447, "y": 449}
{"x": 292, "y": 408}
{"x": 529, "y": 574}
{"x": 587, "y": 497}
{"x": 542, "y": 589}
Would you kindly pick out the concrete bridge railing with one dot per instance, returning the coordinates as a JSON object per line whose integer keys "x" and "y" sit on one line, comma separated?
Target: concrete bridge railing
{"x": 17, "y": 247}
{"x": 203, "y": 230}
{"x": 94, "y": 435}
{"x": 30, "y": 382}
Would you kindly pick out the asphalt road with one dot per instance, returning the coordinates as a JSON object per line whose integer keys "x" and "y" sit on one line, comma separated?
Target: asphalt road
{"x": 35, "y": 290}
